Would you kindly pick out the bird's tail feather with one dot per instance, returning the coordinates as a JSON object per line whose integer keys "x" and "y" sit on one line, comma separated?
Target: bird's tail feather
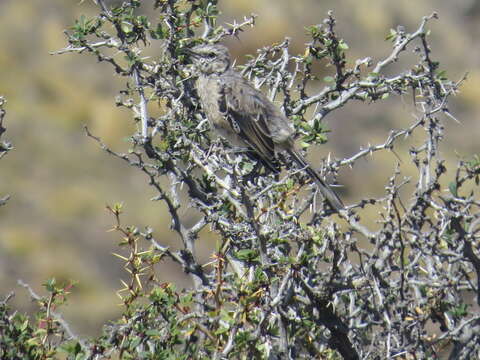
{"x": 332, "y": 198}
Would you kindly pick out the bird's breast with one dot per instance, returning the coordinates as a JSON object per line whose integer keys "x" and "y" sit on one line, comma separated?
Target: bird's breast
{"x": 209, "y": 92}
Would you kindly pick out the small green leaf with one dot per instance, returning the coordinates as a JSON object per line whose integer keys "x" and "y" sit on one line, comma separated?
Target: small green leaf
{"x": 153, "y": 332}
{"x": 392, "y": 35}
{"x": 126, "y": 28}
{"x": 343, "y": 45}
{"x": 71, "y": 347}
{"x": 50, "y": 284}
{"x": 222, "y": 330}
{"x": 135, "y": 342}
{"x": 459, "y": 311}
{"x": 246, "y": 254}
{"x": 442, "y": 74}
{"x": 308, "y": 59}
{"x": 453, "y": 189}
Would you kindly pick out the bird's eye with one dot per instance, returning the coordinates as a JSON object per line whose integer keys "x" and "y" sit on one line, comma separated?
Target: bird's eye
{"x": 211, "y": 55}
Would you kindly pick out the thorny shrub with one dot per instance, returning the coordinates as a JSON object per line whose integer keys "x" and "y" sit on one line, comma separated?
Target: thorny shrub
{"x": 288, "y": 278}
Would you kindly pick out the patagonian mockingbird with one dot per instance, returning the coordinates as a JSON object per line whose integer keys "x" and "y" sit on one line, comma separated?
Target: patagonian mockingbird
{"x": 244, "y": 116}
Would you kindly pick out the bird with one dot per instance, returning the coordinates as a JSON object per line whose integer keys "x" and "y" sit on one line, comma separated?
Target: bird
{"x": 245, "y": 117}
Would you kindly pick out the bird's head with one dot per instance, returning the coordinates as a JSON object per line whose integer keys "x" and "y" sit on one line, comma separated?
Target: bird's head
{"x": 210, "y": 58}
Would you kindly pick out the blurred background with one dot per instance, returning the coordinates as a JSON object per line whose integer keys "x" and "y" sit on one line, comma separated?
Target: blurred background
{"x": 56, "y": 225}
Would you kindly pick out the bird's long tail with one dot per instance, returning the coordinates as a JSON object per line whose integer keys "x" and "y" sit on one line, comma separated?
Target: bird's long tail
{"x": 332, "y": 198}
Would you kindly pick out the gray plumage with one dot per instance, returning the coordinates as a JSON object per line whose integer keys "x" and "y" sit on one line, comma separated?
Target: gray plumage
{"x": 244, "y": 116}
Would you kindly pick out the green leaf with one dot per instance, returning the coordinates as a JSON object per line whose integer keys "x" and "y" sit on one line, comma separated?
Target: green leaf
{"x": 71, "y": 347}
{"x": 460, "y": 311}
{"x": 153, "y": 333}
{"x": 393, "y": 34}
{"x": 246, "y": 254}
{"x": 143, "y": 20}
{"x": 222, "y": 330}
{"x": 247, "y": 167}
{"x": 343, "y": 45}
{"x": 126, "y": 28}
{"x": 135, "y": 342}
{"x": 304, "y": 145}
{"x": 453, "y": 189}
{"x": 50, "y": 284}
{"x": 442, "y": 74}
{"x": 308, "y": 59}
{"x": 23, "y": 326}
{"x": 309, "y": 138}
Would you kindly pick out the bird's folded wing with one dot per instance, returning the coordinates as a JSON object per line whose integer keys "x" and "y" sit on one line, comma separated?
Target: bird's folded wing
{"x": 247, "y": 111}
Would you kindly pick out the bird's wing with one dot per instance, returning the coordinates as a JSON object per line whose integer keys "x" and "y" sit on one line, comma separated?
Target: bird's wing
{"x": 247, "y": 111}
{"x": 262, "y": 126}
